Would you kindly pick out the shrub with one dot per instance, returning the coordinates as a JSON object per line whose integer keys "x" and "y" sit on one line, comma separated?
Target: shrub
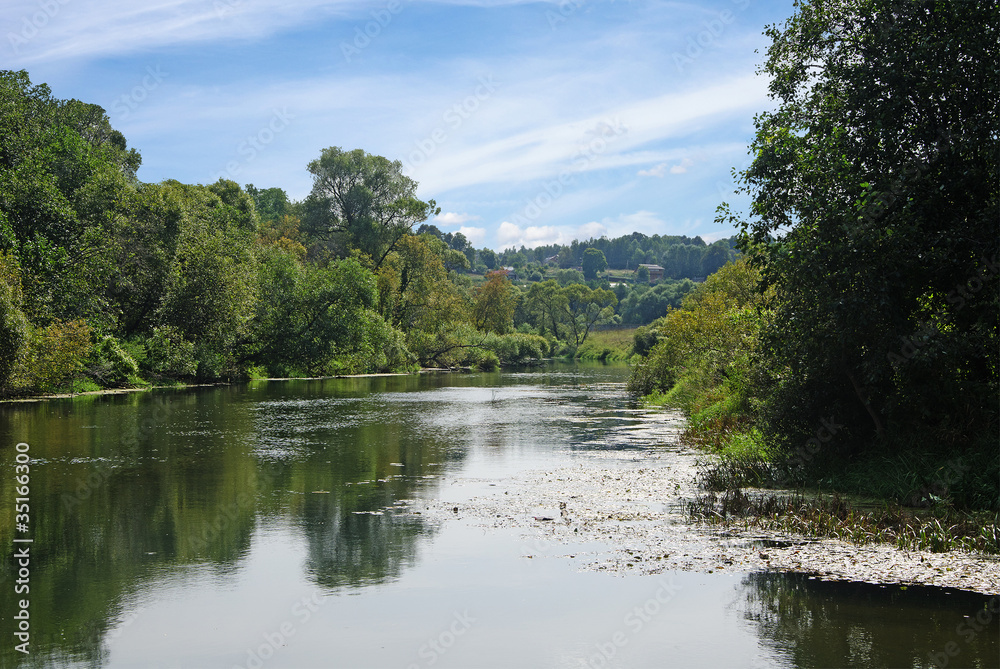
{"x": 169, "y": 354}
{"x": 110, "y": 364}
{"x": 57, "y": 353}
{"x": 14, "y": 328}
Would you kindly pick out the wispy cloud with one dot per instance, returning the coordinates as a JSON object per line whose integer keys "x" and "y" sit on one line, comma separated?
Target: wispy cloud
{"x": 543, "y": 152}
{"x": 662, "y": 169}
{"x": 87, "y": 29}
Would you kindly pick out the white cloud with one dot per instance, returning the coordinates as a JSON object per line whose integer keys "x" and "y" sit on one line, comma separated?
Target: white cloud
{"x": 452, "y": 218}
{"x": 661, "y": 170}
{"x": 710, "y": 237}
{"x": 646, "y": 222}
{"x": 657, "y": 171}
{"x": 474, "y": 235}
{"x": 592, "y": 230}
{"x": 682, "y": 167}
{"x": 510, "y": 235}
{"x": 89, "y": 29}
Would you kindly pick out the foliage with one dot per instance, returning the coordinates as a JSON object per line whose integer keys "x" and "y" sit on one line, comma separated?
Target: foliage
{"x": 14, "y": 327}
{"x": 644, "y": 338}
{"x": 592, "y": 263}
{"x": 110, "y": 365}
{"x": 680, "y": 256}
{"x": 494, "y": 306}
{"x": 56, "y": 354}
{"x": 367, "y": 199}
{"x": 701, "y": 354}
{"x": 169, "y": 354}
{"x": 568, "y": 312}
{"x": 644, "y": 304}
{"x": 875, "y": 194}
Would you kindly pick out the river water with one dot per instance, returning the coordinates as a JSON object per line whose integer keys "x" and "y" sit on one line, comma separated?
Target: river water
{"x": 273, "y": 525}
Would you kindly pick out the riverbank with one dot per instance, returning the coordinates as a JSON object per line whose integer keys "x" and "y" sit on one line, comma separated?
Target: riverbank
{"x": 629, "y": 512}
{"x": 183, "y": 386}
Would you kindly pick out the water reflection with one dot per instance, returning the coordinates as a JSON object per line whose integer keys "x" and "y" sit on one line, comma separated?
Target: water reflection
{"x": 125, "y": 487}
{"x": 814, "y": 623}
{"x": 136, "y": 495}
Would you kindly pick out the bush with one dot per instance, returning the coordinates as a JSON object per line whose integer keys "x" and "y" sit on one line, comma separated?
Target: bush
{"x": 14, "y": 328}
{"x": 110, "y": 364}
{"x": 644, "y": 339}
{"x": 168, "y": 354}
{"x": 57, "y": 353}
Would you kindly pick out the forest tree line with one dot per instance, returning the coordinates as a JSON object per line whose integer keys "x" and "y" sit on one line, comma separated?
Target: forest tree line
{"x": 106, "y": 281}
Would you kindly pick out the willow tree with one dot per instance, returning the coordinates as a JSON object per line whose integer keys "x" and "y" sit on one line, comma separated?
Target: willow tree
{"x": 365, "y": 199}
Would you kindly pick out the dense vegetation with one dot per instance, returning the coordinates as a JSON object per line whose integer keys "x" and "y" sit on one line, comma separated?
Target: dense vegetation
{"x": 106, "y": 281}
{"x": 856, "y": 345}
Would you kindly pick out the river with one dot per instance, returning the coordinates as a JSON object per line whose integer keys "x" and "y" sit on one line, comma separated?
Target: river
{"x": 321, "y": 523}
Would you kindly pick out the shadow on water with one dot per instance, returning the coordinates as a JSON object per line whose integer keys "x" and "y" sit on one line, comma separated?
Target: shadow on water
{"x": 814, "y": 623}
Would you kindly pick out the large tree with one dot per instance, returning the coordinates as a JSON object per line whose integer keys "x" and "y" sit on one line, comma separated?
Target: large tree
{"x": 66, "y": 185}
{"x": 365, "y": 198}
{"x": 874, "y": 216}
{"x": 593, "y": 262}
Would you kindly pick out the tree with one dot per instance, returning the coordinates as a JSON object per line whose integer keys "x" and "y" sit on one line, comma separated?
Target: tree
{"x": 584, "y": 308}
{"x": 314, "y": 318}
{"x": 366, "y": 198}
{"x": 716, "y": 256}
{"x": 593, "y": 262}
{"x": 489, "y": 258}
{"x": 875, "y": 199}
{"x": 495, "y": 303}
{"x": 544, "y": 304}
{"x": 271, "y": 203}
{"x": 459, "y": 242}
{"x": 14, "y": 333}
{"x": 210, "y": 289}
{"x": 642, "y": 275}
{"x": 66, "y": 183}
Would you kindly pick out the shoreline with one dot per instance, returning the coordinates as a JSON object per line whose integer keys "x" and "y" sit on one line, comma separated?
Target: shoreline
{"x": 634, "y": 508}
{"x": 184, "y": 386}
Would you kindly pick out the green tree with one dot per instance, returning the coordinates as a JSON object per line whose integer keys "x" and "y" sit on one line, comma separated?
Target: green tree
{"x": 210, "y": 289}
{"x": 14, "y": 328}
{"x": 593, "y": 262}
{"x": 875, "y": 199}
{"x": 544, "y": 305}
{"x": 489, "y": 258}
{"x": 317, "y": 319}
{"x": 66, "y": 178}
{"x": 584, "y": 308}
{"x": 495, "y": 302}
{"x": 270, "y": 203}
{"x": 366, "y": 198}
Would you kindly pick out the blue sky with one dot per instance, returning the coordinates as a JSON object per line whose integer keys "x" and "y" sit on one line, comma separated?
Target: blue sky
{"x": 528, "y": 122}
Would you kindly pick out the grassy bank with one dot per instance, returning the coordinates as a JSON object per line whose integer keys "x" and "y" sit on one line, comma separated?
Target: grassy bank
{"x": 607, "y": 346}
{"x": 935, "y": 489}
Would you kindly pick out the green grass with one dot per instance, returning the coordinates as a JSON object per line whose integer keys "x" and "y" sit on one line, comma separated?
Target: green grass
{"x": 838, "y": 518}
{"x": 607, "y": 346}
